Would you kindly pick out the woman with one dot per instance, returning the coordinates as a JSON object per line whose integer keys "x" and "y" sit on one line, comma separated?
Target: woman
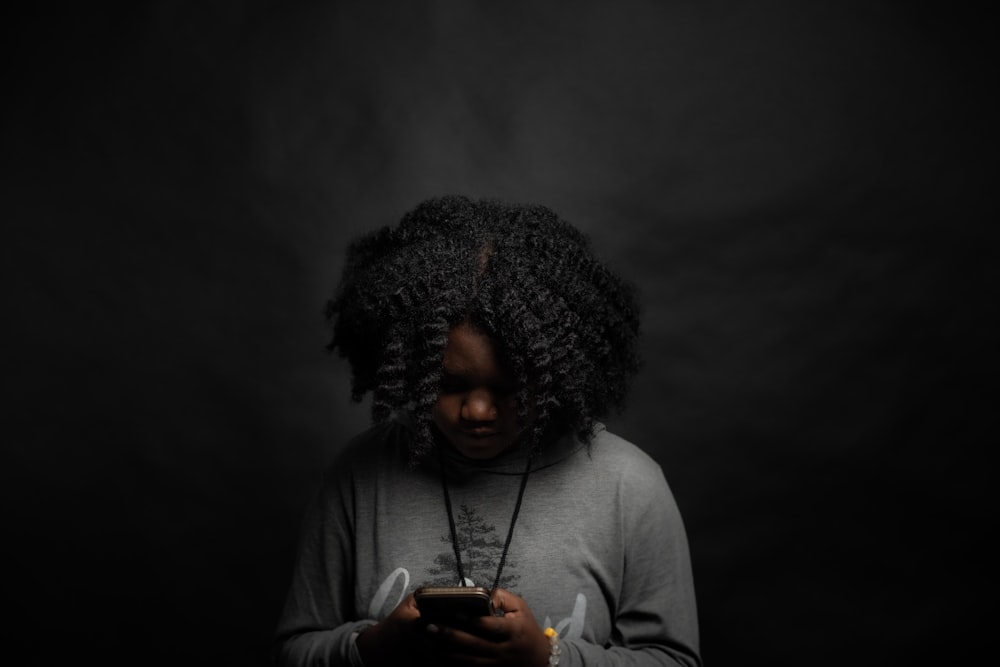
{"x": 492, "y": 339}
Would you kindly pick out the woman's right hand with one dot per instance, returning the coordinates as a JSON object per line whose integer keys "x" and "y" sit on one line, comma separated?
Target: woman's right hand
{"x": 397, "y": 639}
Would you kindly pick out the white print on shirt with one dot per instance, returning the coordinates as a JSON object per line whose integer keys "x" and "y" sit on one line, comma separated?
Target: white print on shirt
{"x": 382, "y": 594}
{"x": 570, "y": 627}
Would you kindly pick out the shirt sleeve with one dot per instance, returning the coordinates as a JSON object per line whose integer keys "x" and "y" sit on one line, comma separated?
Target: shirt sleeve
{"x": 319, "y": 624}
{"x": 656, "y": 620}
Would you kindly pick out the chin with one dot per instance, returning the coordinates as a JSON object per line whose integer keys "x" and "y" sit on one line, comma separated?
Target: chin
{"x": 479, "y": 453}
{"x": 480, "y": 450}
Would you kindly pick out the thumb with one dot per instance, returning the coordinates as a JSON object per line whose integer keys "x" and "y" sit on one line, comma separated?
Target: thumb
{"x": 506, "y": 602}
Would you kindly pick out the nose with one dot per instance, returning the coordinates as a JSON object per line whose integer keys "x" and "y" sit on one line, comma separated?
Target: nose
{"x": 479, "y": 406}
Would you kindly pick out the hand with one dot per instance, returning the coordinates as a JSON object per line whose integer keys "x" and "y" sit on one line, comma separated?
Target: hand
{"x": 398, "y": 639}
{"x": 512, "y": 640}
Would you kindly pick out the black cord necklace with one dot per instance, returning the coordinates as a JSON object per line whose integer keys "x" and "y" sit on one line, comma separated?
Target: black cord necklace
{"x": 510, "y": 531}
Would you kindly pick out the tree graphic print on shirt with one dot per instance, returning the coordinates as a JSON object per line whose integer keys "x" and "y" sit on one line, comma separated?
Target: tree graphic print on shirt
{"x": 480, "y": 547}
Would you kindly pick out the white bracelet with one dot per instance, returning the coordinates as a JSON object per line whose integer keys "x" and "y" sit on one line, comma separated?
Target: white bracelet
{"x": 554, "y": 648}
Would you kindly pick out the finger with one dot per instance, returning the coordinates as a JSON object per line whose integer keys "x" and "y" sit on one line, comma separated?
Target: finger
{"x": 455, "y": 641}
{"x": 513, "y": 605}
{"x": 507, "y": 602}
{"x": 492, "y": 630}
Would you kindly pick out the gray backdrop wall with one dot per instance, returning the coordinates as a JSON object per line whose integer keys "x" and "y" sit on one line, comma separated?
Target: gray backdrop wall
{"x": 801, "y": 190}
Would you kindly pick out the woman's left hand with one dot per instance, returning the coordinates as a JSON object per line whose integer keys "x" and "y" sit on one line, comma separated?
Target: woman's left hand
{"x": 514, "y": 639}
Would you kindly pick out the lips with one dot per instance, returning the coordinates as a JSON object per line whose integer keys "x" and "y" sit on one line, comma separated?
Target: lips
{"x": 480, "y": 433}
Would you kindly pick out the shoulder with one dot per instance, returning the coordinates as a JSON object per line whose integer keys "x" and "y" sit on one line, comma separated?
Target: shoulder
{"x": 636, "y": 476}
{"x": 622, "y": 458}
{"x": 370, "y": 459}
{"x": 641, "y": 489}
{"x": 380, "y": 448}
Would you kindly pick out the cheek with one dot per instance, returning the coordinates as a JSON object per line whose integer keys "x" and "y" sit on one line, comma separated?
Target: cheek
{"x": 444, "y": 411}
{"x": 509, "y": 411}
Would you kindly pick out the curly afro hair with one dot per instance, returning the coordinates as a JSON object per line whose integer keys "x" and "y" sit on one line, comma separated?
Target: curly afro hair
{"x": 565, "y": 325}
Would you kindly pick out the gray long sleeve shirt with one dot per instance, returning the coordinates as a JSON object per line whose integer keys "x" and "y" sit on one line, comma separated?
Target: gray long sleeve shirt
{"x": 599, "y": 550}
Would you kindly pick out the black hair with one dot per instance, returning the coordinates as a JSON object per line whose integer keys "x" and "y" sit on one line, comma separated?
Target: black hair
{"x": 565, "y": 324}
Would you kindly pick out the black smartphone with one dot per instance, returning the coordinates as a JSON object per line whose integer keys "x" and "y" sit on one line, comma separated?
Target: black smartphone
{"x": 451, "y": 604}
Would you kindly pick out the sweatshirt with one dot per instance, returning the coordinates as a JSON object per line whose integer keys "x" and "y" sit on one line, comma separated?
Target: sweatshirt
{"x": 599, "y": 550}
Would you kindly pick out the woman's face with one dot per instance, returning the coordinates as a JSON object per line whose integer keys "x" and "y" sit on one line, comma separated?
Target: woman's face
{"x": 476, "y": 408}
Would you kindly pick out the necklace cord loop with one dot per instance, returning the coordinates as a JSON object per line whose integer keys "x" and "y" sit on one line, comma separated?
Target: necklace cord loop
{"x": 510, "y": 531}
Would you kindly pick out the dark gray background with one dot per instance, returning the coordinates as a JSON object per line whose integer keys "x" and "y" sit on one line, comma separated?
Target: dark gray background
{"x": 801, "y": 189}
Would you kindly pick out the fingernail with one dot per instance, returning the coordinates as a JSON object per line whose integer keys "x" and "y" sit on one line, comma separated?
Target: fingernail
{"x": 432, "y": 628}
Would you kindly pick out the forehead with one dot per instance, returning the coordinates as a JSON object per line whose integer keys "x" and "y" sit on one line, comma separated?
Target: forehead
{"x": 470, "y": 352}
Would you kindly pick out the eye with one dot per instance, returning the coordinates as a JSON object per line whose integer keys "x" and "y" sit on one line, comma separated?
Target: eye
{"x": 452, "y": 384}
